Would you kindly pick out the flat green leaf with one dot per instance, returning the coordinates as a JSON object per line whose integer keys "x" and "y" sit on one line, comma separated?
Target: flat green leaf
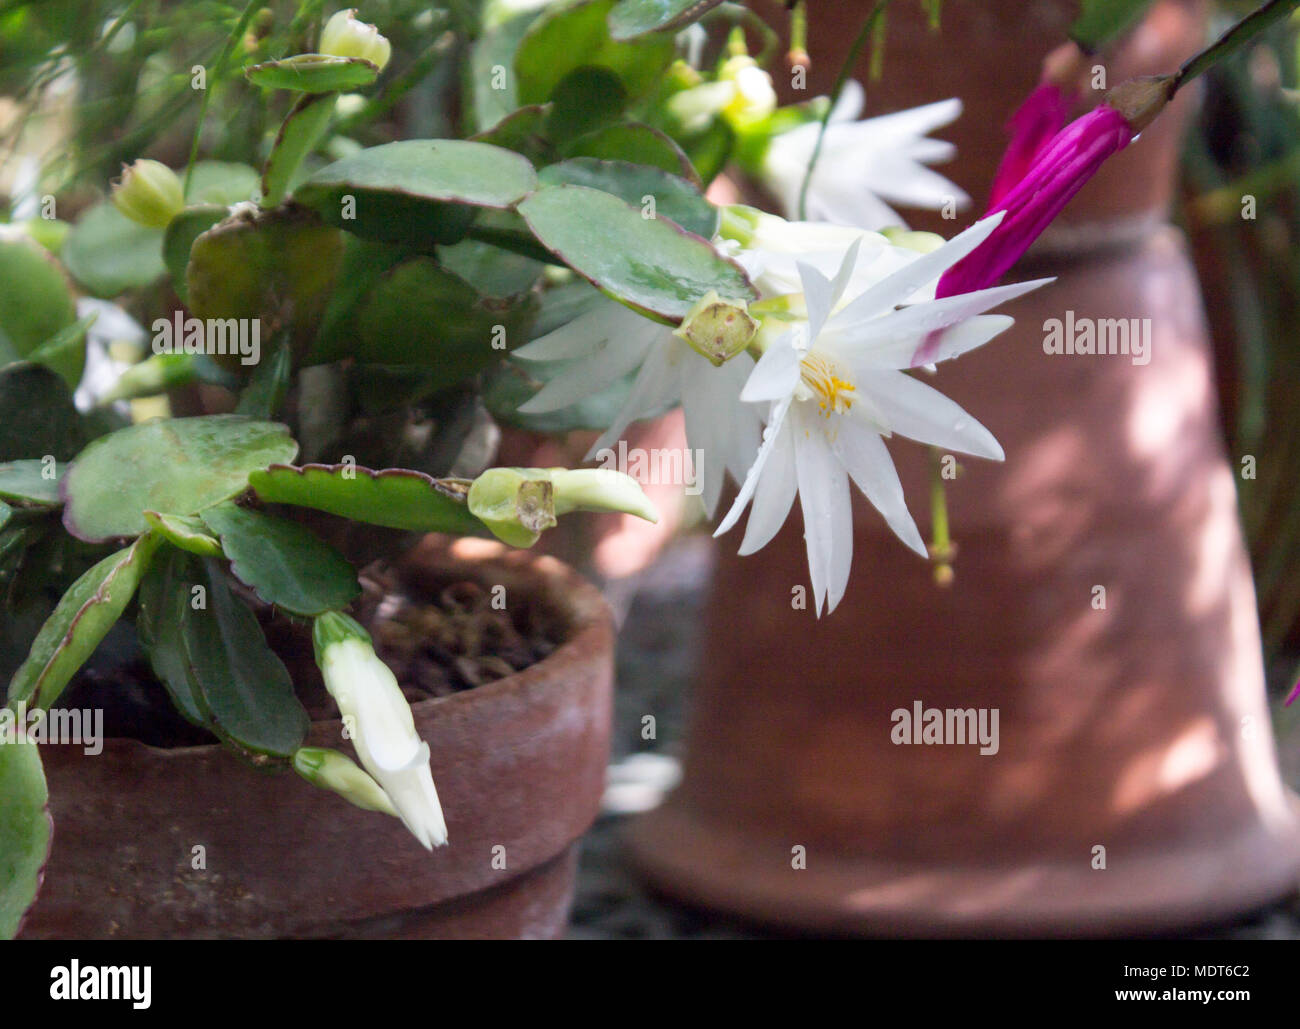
{"x": 524, "y": 131}
{"x": 6, "y": 512}
{"x": 243, "y": 688}
{"x": 566, "y": 38}
{"x": 32, "y": 483}
{"x": 394, "y": 497}
{"x": 632, "y": 18}
{"x": 417, "y": 191}
{"x": 82, "y": 618}
{"x": 221, "y": 183}
{"x": 25, "y": 831}
{"x": 65, "y": 351}
{"x": 364, "y": 262}
{"x": 298, "y": 136}
{"x": 421, "y": 314}
{"x": 269, "y": 384}
{"x": 260, "y": 265}
{"x": 109, "y": 254}
{"x": 37, "y": 416}
{"x": 1101, "y": 21}
{"x": 179, "y": 237}
{"x": 649, "y": 264}
{"x": 283, "y": 562}
{"x": 36, "y": 303}
{"x": 178, "y": 466}
{"x": 637, "y": 143}
{"x": 314, "y": 73}
{"x": 166, "y": 598}
{"x": 184, "y": 531}
{"x": 489, "y": 77}
{"x": 583, "y": 101}
{"x": 492, "y": 272}
{"x": 640, "y": 186}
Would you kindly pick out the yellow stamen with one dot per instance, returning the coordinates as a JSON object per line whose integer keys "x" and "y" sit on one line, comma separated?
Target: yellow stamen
{"x": 820, "y": 376}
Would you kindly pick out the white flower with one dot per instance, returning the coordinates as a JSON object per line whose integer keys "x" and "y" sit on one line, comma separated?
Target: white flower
{"x": 346, "y": 36}
{"x": 610, "y": 341}
{"x": 836, "y": 386}
{"x": 381, "y": 724}
{"x": 864, "y": 166}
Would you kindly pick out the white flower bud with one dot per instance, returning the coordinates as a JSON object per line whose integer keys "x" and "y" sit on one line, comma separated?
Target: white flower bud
{"x": 384, "y": 735}
{"x": 345, "y": 36}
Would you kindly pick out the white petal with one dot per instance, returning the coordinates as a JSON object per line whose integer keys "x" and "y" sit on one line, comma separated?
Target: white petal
{"x": 582, "y": 377}
{"x": 922, "y": 413}
{"x": 776, "y": 373}
{"x": 779, "y": 410}
{"x": 827, "y": 511}
{"x": 774, "y": 495}
{"x": 654, "y": 388}
{"x": 850, "y": 103}
{"x": 898, "y": 287}
{"x": 579, "y": 337}
{"x": 863, "y": 453}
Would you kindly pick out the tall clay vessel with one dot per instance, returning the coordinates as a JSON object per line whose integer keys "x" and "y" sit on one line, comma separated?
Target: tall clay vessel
{"x": 1134, "y": 787}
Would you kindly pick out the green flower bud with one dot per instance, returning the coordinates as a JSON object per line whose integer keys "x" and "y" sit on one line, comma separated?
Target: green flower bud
{"x": 149, "y": 193}
{"x": 345, "y": 36}
{"x": 332, "y": 770}
{"x": 518, "y": 504}
{"x": 718, "y": 329}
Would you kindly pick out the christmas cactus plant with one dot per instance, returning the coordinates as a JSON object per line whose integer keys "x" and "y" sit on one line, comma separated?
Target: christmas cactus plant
{"x": 367, "y": 310}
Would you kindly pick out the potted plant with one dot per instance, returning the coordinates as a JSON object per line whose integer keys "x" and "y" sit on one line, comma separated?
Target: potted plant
{"x": 333, "y": 341}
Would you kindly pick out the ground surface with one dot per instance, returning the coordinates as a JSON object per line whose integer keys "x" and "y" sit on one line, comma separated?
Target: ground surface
{"x": 658, "y": 646}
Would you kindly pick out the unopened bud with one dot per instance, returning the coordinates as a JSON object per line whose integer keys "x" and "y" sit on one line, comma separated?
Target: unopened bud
{"x": 717, "y": 328}
{"x": 332, "y": 770}
{"x": 149, "y": 193}
{"x": 518, "y": 504}
{"x": 600, "y": 489}
{"x": 753, "y": 97}
{"x": 345, "y": 36}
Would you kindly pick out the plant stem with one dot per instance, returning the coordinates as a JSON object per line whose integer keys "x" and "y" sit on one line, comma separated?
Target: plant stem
{"x": 846, "y": 69}
{"x": 941, "y": 548}
{"x": 1232, "y": 40}
{"x": 231, "y": 41}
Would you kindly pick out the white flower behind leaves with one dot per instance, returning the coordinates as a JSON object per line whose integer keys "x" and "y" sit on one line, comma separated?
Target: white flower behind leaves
{"x": 610, "y": 341}
{"x": 836, "y": 386}
{"x": 864, "y": 166}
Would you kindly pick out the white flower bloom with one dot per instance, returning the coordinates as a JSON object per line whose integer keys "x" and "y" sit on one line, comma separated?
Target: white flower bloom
{"x": 382, "y": 727}
{"x": 836, "y": 386}
{"x": 864, "y": 166}
{"x": 608, "y": 342}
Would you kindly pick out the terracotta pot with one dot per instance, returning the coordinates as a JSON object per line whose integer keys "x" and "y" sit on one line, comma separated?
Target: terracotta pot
{"x": 519, "y": 764}
{"x": 1140, "y": 727}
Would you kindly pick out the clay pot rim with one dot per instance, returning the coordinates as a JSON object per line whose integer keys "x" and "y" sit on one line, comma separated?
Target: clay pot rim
{"x": 581, "y": 607}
